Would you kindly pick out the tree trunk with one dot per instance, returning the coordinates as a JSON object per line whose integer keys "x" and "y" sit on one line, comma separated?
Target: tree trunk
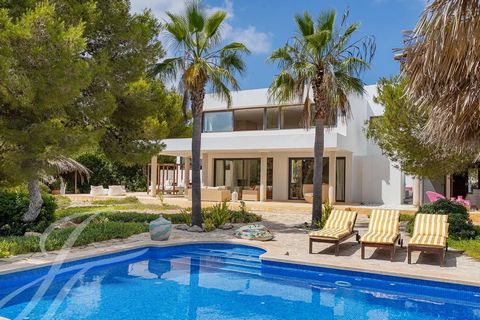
{"x": 197, "y": 106}
{"x": 318, "y": 171}
{"x": 36, "y": 201}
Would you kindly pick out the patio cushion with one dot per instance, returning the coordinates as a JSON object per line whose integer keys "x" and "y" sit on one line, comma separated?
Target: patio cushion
{"x": 431, "y": 224}
{"x": 329, "y": 233}
{"x": 379, "y": 237}
{"x": 384, "y": 222}
{"x": 340, "y": 219}
{"x": 428, "y": 240}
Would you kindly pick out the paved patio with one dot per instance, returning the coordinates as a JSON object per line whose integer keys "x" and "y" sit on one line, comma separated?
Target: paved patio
{"x": 290, "y": 245}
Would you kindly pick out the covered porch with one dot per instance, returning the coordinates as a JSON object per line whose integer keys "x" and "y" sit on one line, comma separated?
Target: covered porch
{"x": 275, "y": 175}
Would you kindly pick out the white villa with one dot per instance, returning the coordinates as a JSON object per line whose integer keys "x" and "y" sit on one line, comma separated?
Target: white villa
{"x": 256, "y": 147}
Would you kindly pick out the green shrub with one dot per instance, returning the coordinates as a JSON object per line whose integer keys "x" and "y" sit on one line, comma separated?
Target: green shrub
{"x": 219, "y": 214}
{"x": 460, "y": 224}
{"x": 12, "y": 208}
{"x": 106, "y": 172}
{"x": 209, "y": 225}
{"x": 184, "y": 217}
{"x": 93, "y": 232}
{"x": 244, "y": 217}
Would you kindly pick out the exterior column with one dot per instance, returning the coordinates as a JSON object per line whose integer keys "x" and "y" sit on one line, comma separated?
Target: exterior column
{"x": 186, "y": 174}
{"x": 416, "y": 192}
{"x": 205, "y": 169}
{"x": 153, "y": 176}
{"x": 448, "y": 187}
{"x": 332, "y": 170}
{"x": 263, "y": 177}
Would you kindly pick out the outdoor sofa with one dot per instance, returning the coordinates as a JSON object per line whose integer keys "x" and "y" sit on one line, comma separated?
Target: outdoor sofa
{"x": 214, "y": 194}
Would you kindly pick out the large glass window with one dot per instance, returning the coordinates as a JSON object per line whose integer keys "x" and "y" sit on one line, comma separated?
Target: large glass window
{"x": 220, "y": 121}
{"x": 292, "y": 117}
{"x": 273, "y": 118}
{"x": 248, "y": 119}
{"x": 301, "y": 176}
{"x": 237, "y": 174}
{"x": 268, "y": 118}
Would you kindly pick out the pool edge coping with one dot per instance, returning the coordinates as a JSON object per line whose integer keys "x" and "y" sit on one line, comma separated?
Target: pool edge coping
{"x": 267, "y": 256}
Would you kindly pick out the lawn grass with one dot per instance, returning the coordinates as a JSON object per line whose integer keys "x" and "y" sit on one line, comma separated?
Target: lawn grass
{"x": 108, "y": 224}
{"x": 471, "y": 247}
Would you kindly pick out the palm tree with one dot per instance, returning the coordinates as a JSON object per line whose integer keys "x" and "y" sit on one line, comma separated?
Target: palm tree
{"x": 441, "y": 59}
{"x": 323, "y": 59}
{"x": 202, "y": 63}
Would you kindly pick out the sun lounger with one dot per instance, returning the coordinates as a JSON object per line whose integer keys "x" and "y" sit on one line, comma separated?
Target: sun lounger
{"x": 382, "y": 231}
{"x": 338, "y": 228}
{"x": 430, "y": 234}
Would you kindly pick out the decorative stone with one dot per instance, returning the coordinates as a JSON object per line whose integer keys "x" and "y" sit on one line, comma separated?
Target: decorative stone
{"x": 160, "y": 229}
{"x": 65, "y": 224}
{"x": 226, "y": 226}
{"x": 254, "y": 232}
{"x": 32, "y": 234}
{"x": 182, "y": 227}
{"x": 195, "y": 229}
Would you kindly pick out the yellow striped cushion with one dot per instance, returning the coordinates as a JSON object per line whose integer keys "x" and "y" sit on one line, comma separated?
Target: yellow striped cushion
{"x": 340, "y": 219}
{"x": 428, "y": 240}
{"x": 431, "y": 224}
{"x": 378, "y": 237}
{"x": 384, "y": 221}
{"x": 329, "y": 233}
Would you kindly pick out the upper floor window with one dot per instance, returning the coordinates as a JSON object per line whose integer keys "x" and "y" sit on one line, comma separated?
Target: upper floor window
{"x": 220, "y": 121}
{"x": 264, "y": 118}
{"x": 248, "y": 119}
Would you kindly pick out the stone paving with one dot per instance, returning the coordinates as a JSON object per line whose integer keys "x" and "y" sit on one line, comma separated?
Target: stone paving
{"x": 290, "y": 245}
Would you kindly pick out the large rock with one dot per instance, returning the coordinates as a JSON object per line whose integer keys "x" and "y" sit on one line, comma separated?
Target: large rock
{"x": 32, "y": 234}
{"x": 195, "y": 229}
{"x": 254, "y": 232}
{"x": 182, "y": 227}
{"x": 160, "y": 229}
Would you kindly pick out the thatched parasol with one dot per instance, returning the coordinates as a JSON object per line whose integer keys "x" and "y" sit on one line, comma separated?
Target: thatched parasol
{"x": 442, "y": 61}
{"x": 65, "y": 165}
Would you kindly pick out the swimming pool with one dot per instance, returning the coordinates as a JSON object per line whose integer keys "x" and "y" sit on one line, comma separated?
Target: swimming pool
{"x": 223, "y": 281}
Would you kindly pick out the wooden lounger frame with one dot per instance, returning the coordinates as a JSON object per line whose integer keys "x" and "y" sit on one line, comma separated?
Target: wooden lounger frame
{"x": 391, "y": 246}
{"x": 336, "y": 242}
{"x": 428, "y": 249}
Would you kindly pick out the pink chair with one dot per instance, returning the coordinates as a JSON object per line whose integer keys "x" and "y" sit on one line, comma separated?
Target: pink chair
{"x": 434, "y": 196}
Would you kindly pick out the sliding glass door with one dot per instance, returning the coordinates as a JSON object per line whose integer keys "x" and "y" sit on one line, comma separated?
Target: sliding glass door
{"x": 301, "y": 174}
{"x": 237, "y": 174}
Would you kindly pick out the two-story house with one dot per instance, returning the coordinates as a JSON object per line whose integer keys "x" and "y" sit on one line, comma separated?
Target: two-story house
{"x": 256, "y": 144}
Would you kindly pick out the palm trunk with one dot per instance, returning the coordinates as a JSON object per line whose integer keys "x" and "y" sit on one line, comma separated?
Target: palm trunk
{"x": 197, "y": 106}
{"x": 36, "y": 201}
{"x": 318, "y": 171}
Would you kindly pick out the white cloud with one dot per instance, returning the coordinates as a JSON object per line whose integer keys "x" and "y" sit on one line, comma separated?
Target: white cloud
{"x": 158, "y": 7}
{"x": 258, "y": 42}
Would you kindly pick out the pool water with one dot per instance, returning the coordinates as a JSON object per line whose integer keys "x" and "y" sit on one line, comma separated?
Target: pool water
{"x": 220, "y": 281}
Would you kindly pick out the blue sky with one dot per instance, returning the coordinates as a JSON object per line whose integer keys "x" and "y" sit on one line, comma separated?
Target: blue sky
{"x": 264, "y": 25}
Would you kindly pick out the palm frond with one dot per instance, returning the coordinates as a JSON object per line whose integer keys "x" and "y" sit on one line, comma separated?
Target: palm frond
{"x": 305, "y": 24}
{"x": 442, "y": 62}
{"x": 213, "y": 22}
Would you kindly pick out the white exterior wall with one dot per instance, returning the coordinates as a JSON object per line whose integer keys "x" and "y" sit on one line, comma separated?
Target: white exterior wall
{"x": 370, "y": 177}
